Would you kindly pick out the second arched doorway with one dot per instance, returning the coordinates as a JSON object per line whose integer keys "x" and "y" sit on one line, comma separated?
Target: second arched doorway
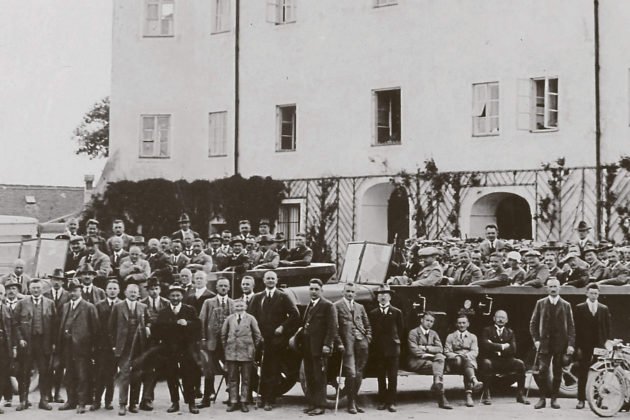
{"x": 510, "y": 212}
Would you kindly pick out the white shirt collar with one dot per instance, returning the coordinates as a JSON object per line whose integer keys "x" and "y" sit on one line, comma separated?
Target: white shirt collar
{"x": 76, "y": 302}
{"x": 349, "y": 303}
{"x": 111, "y": 300}
{"x": 592, "y": 305}
{"x": 499, "y": 329}
{"x": 463, "y": 334}
{"x": 315, "y": 302}
{"x": 270, "y": 291}
{"x": 424, "y": 332}
{"x": 554, "y": 300}
{"x": 199, "y": 292}
{"x": 176, "y": 307}
{"x": 130, "y": 304}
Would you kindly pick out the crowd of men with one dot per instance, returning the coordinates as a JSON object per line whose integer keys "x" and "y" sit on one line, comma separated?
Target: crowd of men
{"x": 495, "y": 262}
{"x": 153, "y": 320}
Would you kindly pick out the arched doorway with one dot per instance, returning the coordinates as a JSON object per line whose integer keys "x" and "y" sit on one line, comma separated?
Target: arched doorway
{"x": 510, "y": 212}
{"x": 383, "y": 213}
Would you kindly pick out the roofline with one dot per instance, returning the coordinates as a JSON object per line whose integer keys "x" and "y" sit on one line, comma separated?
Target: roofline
{"x": 43, "y": 187}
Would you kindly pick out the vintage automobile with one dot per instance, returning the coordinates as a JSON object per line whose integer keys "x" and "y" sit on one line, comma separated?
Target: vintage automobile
{"x": 366, "y": 265}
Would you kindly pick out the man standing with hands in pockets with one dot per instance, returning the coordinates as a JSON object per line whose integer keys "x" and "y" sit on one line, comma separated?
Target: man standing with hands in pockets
{"x": 553, "y": 332}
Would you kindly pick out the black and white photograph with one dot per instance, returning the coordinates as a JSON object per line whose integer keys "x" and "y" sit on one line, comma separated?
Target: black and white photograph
{"x": 297, "y": 208}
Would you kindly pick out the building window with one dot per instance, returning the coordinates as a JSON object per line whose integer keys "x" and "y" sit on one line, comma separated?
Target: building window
{"x": 155, "y": 137}
{"x": 485, "y": 109}
{"x": 281, "y": 11}
{"x": 159, "y": 17}
{"x": 289, "y": 220}
{"x": 544, "y": 104}
{"x": 287, "y": 126}
{"x": 381, "y": 3}
{"x": 218, "y": 134}
{"x": 221, "y": 16}
{"x": 387, "y": 116}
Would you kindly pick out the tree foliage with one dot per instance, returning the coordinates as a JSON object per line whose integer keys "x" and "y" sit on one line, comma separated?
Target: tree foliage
{"x": 92, "y": 135}
{"x": 153, "y": 206}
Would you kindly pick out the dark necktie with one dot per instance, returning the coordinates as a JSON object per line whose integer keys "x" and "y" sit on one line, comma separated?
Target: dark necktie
{"x": 111, "y": 304}
{"x": 223, "y": 304}
{"x": 239, "y": 319}
{"x": 155, "y": 305}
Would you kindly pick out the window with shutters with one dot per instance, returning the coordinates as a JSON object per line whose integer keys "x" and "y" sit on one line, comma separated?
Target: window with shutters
{"x": 544, "y": 104}
{"x": 155, "y": 136}
{"x": 381, "y": 3}
{"x": 287, "y": 128}
{"x": 217, "y": 122}
{"x": 485, "y": 112}
{"x": 159, "y": 18}
{"x": 281, "y": 12}
{"x": 387, "y": 116}
{"x": 221, "y": 13}
{"x": 290, "y": 219}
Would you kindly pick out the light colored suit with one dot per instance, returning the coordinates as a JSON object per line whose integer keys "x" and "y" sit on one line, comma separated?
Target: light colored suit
{"x": 140, "y": 267}
{"x": 240, "y": 340}
{"x": 212, "y": 318}
{"x": 99, "y": 261}
{"x": 430, "y": 275}
{"x": 466, "y": 346}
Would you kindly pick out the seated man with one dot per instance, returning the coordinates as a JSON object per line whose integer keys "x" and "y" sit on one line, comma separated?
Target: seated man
{"x": 425, "y": 353}
{"x": 617, "y": 273}
{"x": 596, "y": 269}
{"x": 461, "y": 350}
{"x": 576, "y": 275}
{"x": 467, "y": 272}
{"x": 431, "y": 274}
{"x": 498, "y": 347}
{"x": 496, "y": 276}
{"x": 538, "y": 272}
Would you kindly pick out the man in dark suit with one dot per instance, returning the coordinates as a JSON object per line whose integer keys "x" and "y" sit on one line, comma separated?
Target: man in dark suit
{"x": 318, "y": 335}
{"x": 127, "y": 323}
{"x": 103, "y": 354}
{"x": 618, "y": 273}
{"x": 593, "y": 328}
{"x": 60, "y": 297}
{"x": 354, "y": 337}
{"x": 89, "y": 292}
{"x": 491, "y": 244}
{"x": 184, "y": 228}
{"x": 596, "y": 269}
{"x": 238, "y": 261}
{"x": 178, "y": 259}
{"x": 117, "y": 254}
{"x": 467, "y": 272}
{"x": 498, "y": 349}
{"x": 155, "y": 303}
{"x": 247, "y": 287}
{"x": 387, "y": 329}
{"x": 576, "y": 275}
{"x": 300, "y": 256}
{"x": 200, "y": 293}
{"x": 496, "y": 275}
{"x": 553, "y": 332}
{"x": 78, "y": 333}
{"x": 277, "y": 318}
{"x": 583, "y": 241}
{"x": 99, "y": 260}
{"x": 177, "y": 327}
{"x": 7, "y": 354}
{"x": 159, "y": 261}
{"x": 34, "y": 320}
{"x": 269, "y": 258}
{"x": 75, "y": 254}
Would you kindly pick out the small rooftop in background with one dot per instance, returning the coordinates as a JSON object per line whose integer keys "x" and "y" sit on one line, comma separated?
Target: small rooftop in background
{"x": 42, "y": 202}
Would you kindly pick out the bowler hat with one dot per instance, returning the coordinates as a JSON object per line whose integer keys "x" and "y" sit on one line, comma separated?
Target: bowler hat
{"x": 153, "y": 281}
{"x": 184, "y": 218}
{"x": 590, "y": 248}
{"x": 280, "y": 237}
{"x": 214, "y": 236}
{"x": 265, "y": 239}
{"x": 384, "y": 288}
{"x": 583, "y": 226}
{"x": 237, "y": 240}
{"x": 57, "y": 274}
{"x": 552, "y": 246}
{"x": 137, "y": 240}
{"x": 86, "y": 268}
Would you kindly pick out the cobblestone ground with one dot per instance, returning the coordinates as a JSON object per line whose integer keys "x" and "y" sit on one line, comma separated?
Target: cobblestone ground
{"x": 414, "y": 402}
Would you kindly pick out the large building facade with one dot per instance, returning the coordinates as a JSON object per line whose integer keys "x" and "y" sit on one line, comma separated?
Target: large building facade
{"x": 337, "y": 98}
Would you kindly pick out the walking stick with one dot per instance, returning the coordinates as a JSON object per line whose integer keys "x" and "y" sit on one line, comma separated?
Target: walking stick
{"x": 216, "y": 394}
{"x": 339, "y": 383}
{"x": 262, "y": 360}
{"x": 529, "y": 382}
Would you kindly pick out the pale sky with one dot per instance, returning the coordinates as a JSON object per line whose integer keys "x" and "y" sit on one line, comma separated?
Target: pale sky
{"x": 55, "y": 61}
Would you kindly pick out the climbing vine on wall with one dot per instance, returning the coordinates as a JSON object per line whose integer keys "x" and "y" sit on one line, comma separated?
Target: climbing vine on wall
{"x": 316, "y": 233}
{"x": 550, "y": 206}
{"x": 409, "y": 184}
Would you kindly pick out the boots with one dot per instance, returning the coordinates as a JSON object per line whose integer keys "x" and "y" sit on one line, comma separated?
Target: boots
{"x": 438, "y": 390}
{"x": 486, "y": 399}
{"x": 352, "y": 409}
{"x": 520, "y": 396}
{"x": 469, "y": 399}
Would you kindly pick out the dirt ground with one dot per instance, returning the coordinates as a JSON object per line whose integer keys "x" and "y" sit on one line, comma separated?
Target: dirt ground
{"x": 415, "y": 401}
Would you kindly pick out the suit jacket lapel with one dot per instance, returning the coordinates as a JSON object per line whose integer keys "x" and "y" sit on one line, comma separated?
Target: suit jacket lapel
{"x": 125, "y": 311}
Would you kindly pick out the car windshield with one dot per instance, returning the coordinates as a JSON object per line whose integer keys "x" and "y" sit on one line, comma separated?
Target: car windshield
{"x": 366, "y": 262}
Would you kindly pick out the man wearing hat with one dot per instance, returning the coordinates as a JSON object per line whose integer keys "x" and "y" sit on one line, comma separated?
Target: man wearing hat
{"x": 60, "y": 297}
{"x": 105, "y": 362}
{"x": 184, "y": 228}
{"x": 583, "y": 241}
{"x": 78, "y": 334}
{"x": 99, "y": 261}
{"x": 387, "y": 331}
{"x": 281, "y": 245}
{"x": 269, "y": 258}
{"x": 299, "y": 256}
{"x": 576, "y": 275}
{"x": 219, "y": 257}
{"x": 177, "y": 327}
{"x": 34, "y": 319}
{"x": 238, "y": 260}
{"x": 90, "y": 293}
{"x": 253, "y": 254}
{"x": 596, "y": 270}
{"x": 91, "y": 231}
{"x": 515, "y": 272}
{"x": 553, "y": 332}
{"x": 18, "y": 276}
{"x": 538, "y": 272}
{"x": 75, "y": 253}
{"x": 431, "y": 274}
